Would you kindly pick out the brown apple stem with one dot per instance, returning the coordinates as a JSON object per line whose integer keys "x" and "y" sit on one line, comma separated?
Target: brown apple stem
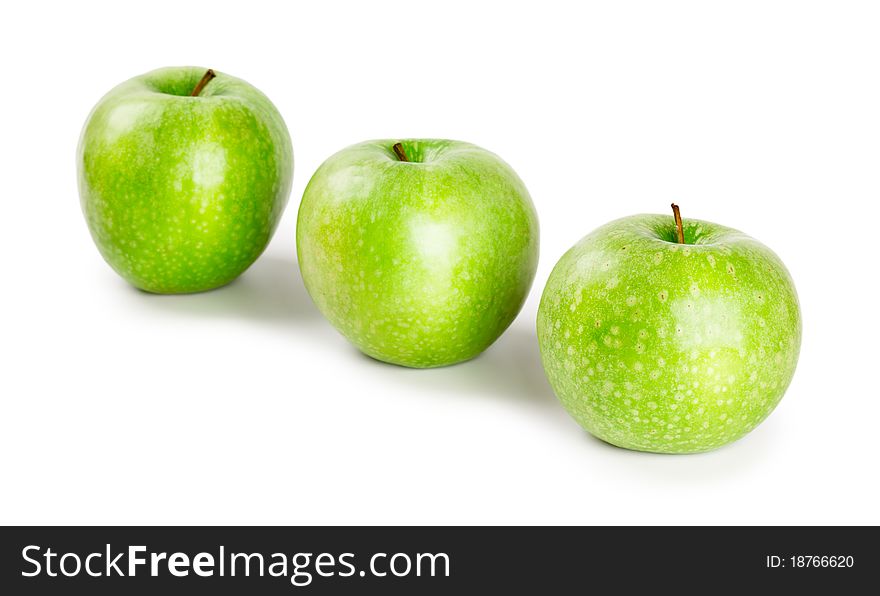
{"x": 678, "y": 228}
{"x": 399, "y": 152}
{"x": 201, "y": 84}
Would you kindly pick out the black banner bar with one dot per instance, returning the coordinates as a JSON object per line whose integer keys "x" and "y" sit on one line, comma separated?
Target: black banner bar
{"x": 435, "y": 560}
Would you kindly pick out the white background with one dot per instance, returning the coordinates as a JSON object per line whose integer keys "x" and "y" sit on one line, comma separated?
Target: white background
{"x": 243, "y": 405}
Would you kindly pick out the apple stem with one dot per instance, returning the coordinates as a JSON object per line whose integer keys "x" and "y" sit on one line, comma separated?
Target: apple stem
{"x": 399, "y": 152}
{"x": 678, "y": 227}
{"x": 210, "y": 74}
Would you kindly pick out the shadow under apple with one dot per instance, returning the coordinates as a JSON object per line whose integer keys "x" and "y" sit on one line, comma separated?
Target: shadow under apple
{"x": 723, "y": 465}
{"x": 271, "y": 291}
{"x": 509, "y": 370}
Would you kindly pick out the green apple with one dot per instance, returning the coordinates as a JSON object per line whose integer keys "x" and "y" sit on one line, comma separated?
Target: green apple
{"x": 669, "y": 347}
{"x": 183, "y": 176}
{"x": 420, "y": 252}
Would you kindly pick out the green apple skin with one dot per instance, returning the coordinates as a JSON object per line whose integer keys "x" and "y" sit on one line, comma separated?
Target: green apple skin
{"x": 181, "y": 194}
{"x": 670, "y": 348}
{"x": 420, "y": 263}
